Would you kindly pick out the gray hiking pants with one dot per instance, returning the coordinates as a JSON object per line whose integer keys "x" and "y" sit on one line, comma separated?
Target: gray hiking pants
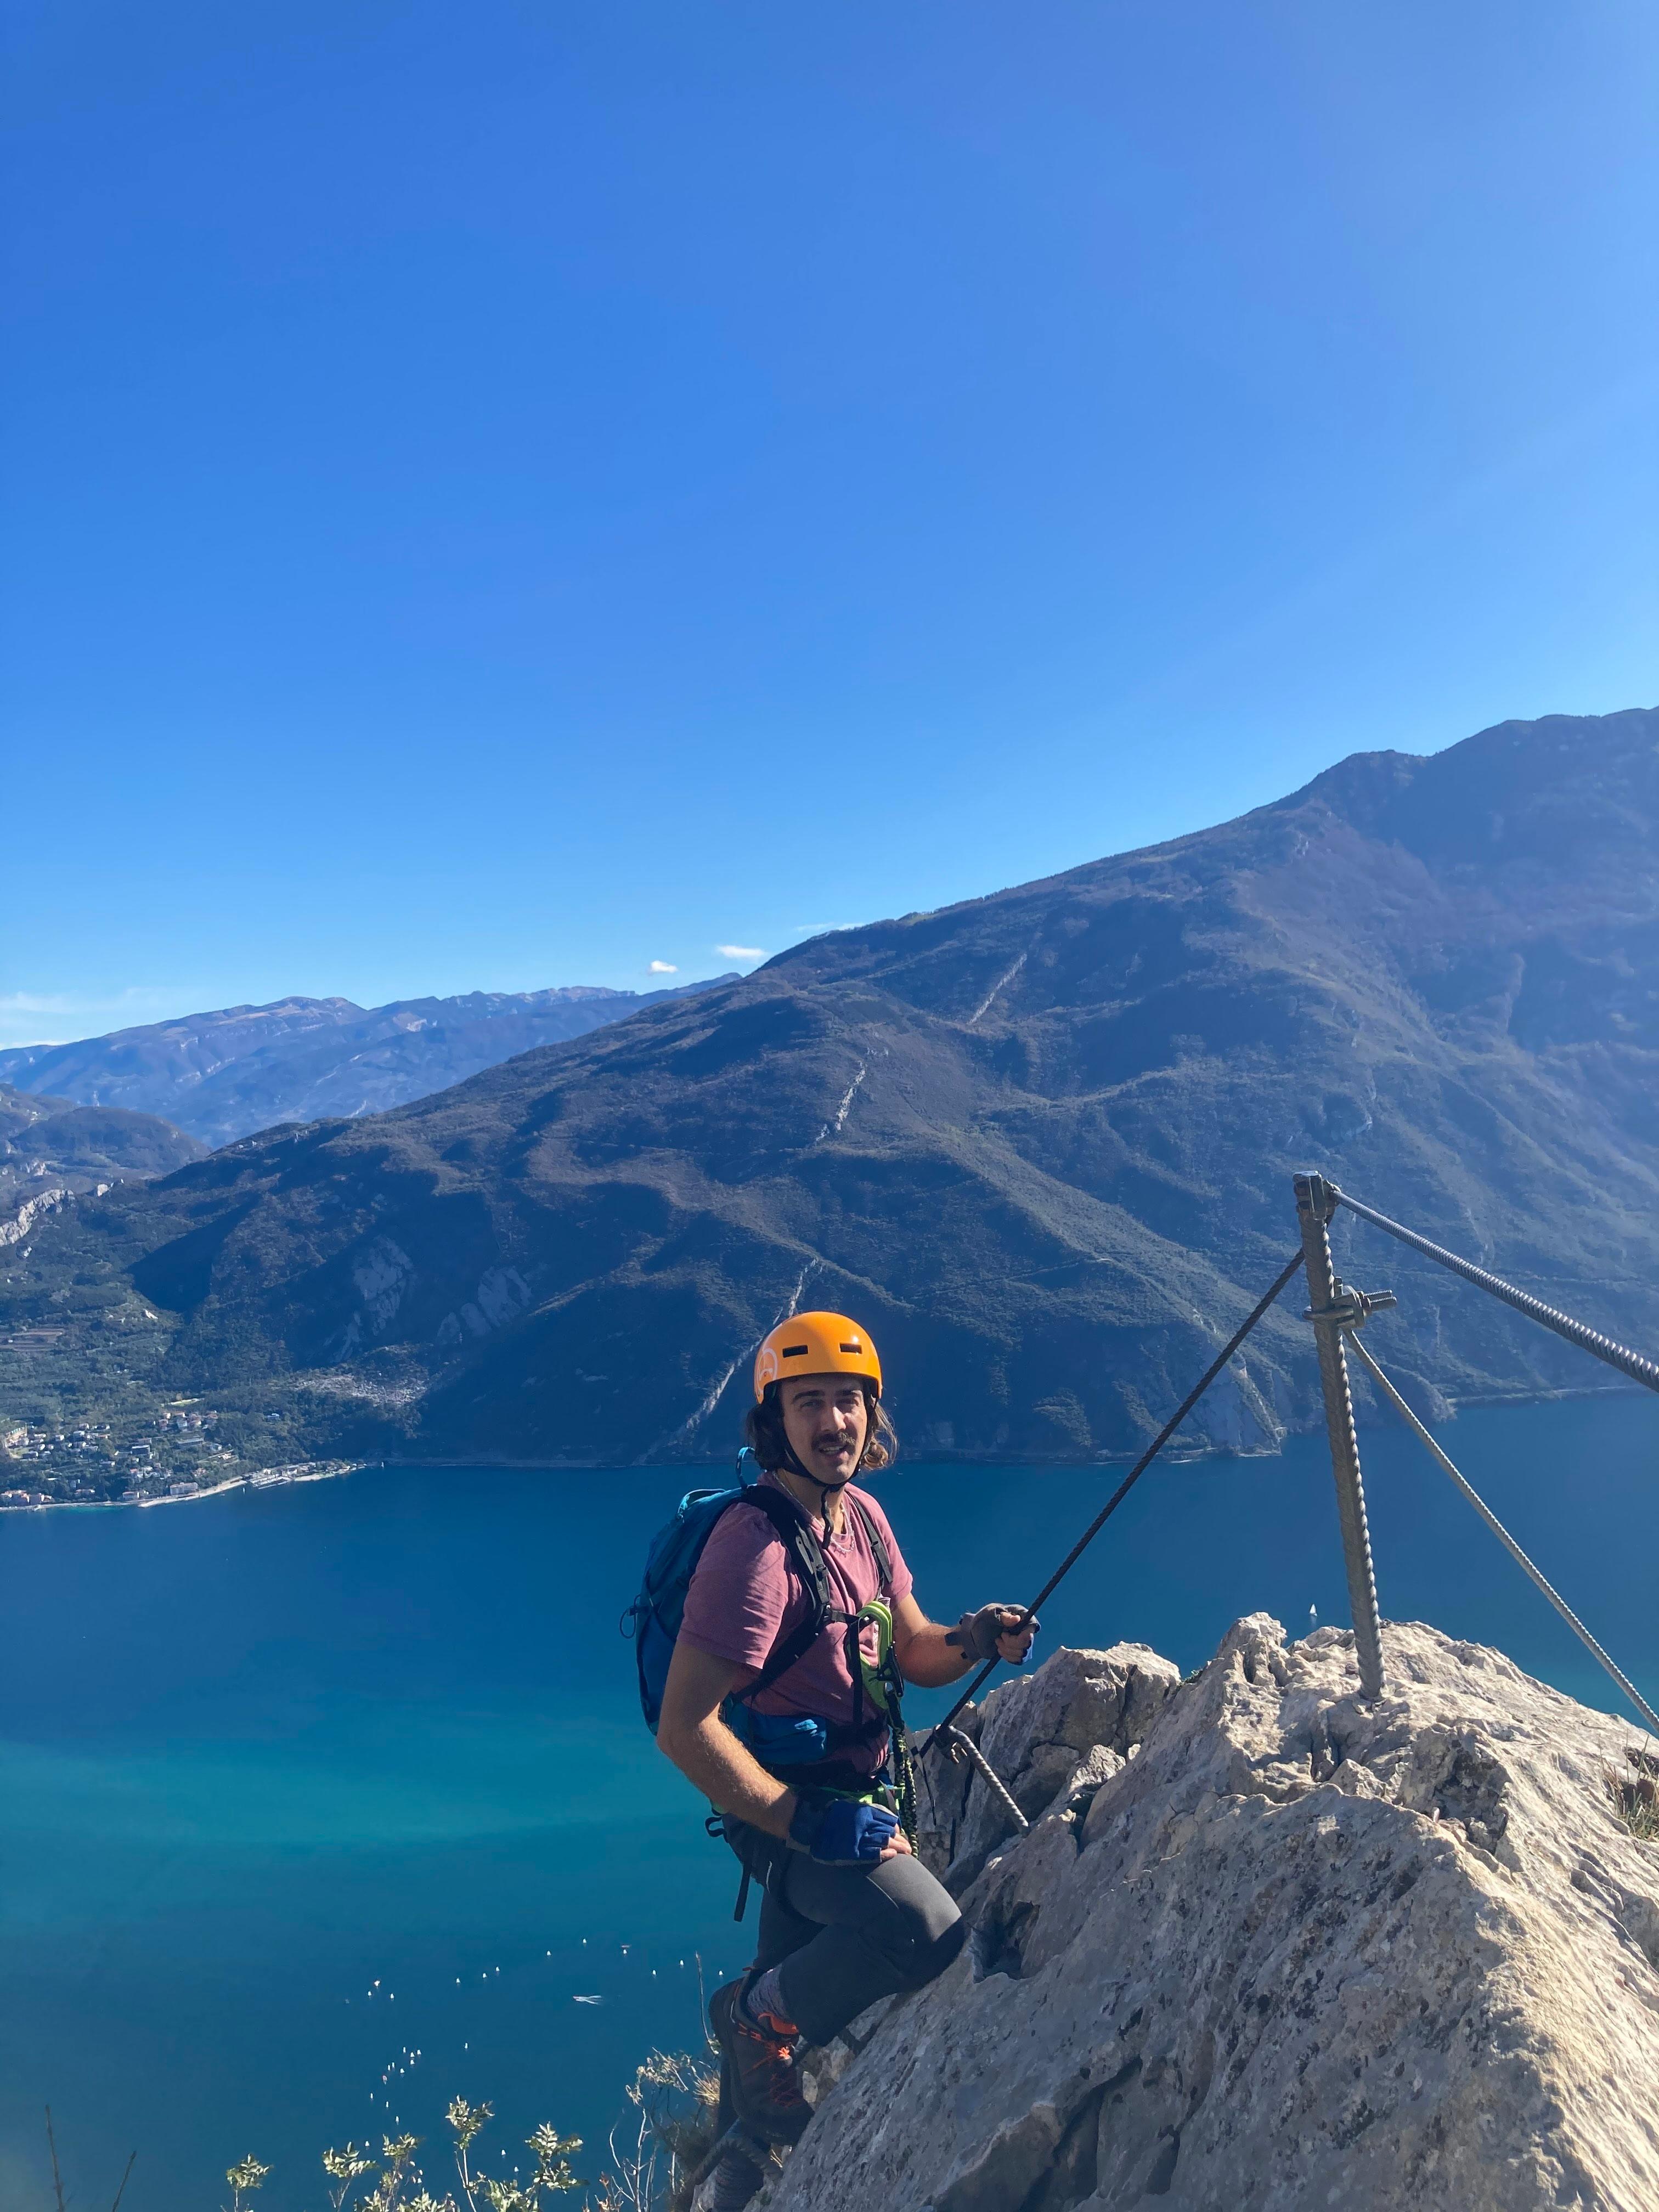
{"x": 845, "y": 1935}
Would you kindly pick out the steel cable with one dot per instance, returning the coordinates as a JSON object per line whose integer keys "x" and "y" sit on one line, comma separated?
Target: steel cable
{"x": 1576, "y": 1332}
{"x": 1506, "y": 1539}
{"x": 1290, "y": 1267}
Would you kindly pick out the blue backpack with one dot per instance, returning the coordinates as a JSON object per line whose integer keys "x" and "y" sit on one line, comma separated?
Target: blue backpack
{"x": 653, "y": 1619}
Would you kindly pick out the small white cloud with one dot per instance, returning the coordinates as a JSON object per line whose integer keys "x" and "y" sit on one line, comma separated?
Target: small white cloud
{"x": 741, "y": 952}
{"x": 662, "y": 967}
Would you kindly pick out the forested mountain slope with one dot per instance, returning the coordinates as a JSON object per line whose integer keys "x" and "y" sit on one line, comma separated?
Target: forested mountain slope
{"x": 52, "y": 1144}
{"x": 1042, "y": 1143}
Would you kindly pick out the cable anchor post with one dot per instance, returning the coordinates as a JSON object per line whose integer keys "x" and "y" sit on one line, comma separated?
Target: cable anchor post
{"x": 1333, "y": 1308}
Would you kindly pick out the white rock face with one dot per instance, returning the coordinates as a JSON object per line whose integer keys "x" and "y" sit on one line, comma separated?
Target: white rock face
{"x": 1082, "y": 1710}
{"x": 1299, "y": 1951}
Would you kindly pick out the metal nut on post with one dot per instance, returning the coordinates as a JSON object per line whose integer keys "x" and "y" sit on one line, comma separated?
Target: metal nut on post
{"x": 1349, "y": 1308}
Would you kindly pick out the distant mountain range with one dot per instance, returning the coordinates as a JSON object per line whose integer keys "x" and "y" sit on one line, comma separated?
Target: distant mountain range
{"x": 1040, "y": 1143}
{"x": 223, "y": 1075}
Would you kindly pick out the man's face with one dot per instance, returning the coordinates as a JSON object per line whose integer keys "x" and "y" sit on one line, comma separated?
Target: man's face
{"x": 826, "y": 1421}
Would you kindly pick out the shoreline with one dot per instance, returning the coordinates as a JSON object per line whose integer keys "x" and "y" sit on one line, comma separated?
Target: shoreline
{"x": 257, "y": 1478}
{"x": 261, "y": 1478}
{"x": 1177, "y": 1451}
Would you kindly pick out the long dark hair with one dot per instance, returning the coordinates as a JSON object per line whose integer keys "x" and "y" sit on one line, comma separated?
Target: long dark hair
{"x": 763, "y": 1432}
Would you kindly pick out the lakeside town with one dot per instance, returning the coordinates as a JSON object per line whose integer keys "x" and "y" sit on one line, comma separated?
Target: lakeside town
{"x": 173, "y": 1456}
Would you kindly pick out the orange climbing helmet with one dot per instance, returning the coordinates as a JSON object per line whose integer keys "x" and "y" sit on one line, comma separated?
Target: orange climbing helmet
{"x": 816, "y": 1344}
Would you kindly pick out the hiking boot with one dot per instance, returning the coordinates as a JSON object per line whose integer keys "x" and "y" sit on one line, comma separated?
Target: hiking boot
{"x": 765, "y": 2080}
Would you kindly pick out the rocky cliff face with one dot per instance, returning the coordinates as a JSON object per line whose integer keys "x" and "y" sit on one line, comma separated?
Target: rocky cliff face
{"x": 1268, "y": 1946}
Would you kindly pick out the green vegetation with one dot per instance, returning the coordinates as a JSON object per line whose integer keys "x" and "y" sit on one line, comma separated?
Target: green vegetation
{"x": 1635, "y": 1794}
{"x": 50, "y": 1144}
{"x": 91, "y": 1411}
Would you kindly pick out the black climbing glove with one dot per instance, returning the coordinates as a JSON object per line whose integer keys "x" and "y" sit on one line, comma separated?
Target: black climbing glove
{"x": 977, "y": 1632}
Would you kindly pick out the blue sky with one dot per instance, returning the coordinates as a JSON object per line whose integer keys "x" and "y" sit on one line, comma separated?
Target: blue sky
{"x": 510, "y": 494}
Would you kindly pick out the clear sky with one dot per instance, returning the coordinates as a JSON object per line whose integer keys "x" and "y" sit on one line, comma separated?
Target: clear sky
{"x": 509, "y": 494}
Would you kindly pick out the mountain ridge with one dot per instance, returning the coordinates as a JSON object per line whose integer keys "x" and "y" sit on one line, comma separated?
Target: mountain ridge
{"x": 228, "y": 1072}
{"x": 1041, "y": 1142}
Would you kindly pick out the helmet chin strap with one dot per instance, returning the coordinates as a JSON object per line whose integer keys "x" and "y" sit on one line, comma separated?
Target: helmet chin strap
{"x": 791, "y": 1462}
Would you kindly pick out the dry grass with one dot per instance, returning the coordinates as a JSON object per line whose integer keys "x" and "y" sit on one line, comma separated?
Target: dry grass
{"x": 675, "y": 2097}
{"x": 1634, "y": 1790}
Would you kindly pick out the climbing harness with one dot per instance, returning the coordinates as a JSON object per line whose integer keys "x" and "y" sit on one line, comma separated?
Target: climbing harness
{"x": 877, "y": 1682}
{"x": 880, "y": 1681}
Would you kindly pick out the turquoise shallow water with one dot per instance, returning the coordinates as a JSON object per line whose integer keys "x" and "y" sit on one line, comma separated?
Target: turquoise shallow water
{"x": 297, "y": 1782}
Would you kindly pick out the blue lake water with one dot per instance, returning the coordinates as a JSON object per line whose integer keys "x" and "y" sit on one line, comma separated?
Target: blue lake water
{"x": 298, "y": 1782}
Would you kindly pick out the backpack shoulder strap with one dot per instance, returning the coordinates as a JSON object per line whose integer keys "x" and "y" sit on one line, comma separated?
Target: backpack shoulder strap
{"x": 878, "y": 1550}
{"x": 807, "y": 1557}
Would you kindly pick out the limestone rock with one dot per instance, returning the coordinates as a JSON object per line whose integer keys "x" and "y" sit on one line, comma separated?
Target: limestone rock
{"x": 1049, "y": 1734}
{"x": 1299, "y": 1951}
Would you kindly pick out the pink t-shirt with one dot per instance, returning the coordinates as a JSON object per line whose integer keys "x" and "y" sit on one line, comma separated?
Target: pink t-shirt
{"x": 746, "y": 1597}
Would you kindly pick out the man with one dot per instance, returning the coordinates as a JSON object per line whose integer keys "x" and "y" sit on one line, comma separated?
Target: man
{"x": 800, "y": 1770}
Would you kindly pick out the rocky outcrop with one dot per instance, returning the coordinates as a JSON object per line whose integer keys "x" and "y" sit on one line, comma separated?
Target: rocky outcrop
{"x": 14, "y": 1231}
{"x": 1294, "y": 1949}
{"x": 1065, "y": 1729}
